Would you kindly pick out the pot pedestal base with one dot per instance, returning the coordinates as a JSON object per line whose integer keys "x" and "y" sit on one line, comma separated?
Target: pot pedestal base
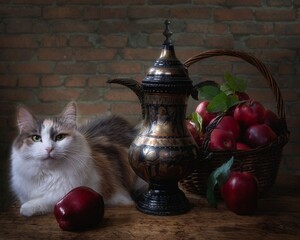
{"x": 163, "y": 200}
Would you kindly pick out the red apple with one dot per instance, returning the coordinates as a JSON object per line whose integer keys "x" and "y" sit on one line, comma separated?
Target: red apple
{"x": 229, "y": 124}
{"x": 240, "y": 193}
{"x": 81, "y": 208}
{"x": 221, "y": 140}
{"x": 206, "y": 116}
{"x": 242, "y": 147}
{"x": 193, "y": 130}
{"x": 259, "y": 135}
{"x": 242, "y": 96}
{"x": 249, "y": 113}
{"x": 272, "y": 120}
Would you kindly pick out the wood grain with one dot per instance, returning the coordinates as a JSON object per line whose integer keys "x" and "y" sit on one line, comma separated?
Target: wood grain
{"x": 277, "y": 217}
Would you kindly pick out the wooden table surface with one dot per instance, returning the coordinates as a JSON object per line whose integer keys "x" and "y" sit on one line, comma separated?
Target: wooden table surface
{"x": 277, "y": 217}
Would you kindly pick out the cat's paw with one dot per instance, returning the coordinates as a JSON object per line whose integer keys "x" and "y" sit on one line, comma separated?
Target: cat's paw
{"x": 31, "y": 208}
{"x": 27, "y": 210}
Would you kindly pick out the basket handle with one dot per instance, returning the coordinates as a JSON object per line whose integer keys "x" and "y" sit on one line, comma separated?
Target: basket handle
{"x": 253, "y": 61}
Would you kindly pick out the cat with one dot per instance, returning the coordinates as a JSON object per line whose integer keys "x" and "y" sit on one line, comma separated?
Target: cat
{"x": 52, "y": 156}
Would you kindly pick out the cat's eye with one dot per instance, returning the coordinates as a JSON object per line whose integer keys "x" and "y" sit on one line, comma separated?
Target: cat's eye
{"x": 60, "y": 137}
{"x": 36, "y": 138}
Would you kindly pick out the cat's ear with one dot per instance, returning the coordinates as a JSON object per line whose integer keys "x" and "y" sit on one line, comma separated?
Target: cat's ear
{"x": 69, "y": 114}
{"x": 25, "y": 119}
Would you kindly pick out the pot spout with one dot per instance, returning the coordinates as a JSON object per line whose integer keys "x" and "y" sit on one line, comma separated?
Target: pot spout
{"x": 135, "y": 86}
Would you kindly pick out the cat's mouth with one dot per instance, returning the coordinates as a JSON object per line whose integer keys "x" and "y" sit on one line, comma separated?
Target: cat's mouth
{"x": 49, "y": 158}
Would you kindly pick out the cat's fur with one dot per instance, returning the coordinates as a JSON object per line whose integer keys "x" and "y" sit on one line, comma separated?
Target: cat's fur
{"x": 52, "y": 156}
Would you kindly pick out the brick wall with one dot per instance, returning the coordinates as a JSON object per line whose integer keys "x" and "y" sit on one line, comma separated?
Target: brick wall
{"x": 52, "y": 52}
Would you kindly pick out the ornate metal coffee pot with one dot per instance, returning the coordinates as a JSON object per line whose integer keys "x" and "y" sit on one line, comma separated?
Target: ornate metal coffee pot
{"x": 163, "y": 151}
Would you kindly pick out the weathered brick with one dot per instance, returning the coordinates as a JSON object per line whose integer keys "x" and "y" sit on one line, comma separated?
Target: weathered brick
{"x": 286, "y": 69}
{"x": 290, "y": 96}
{"x": 27, "y": 26}
{"x": 279, "y": 55}
{"x": 8, "y": 109}
{"x": 122, "y": 2}
{"x": 3, "y": 67}
{"x": 54, "y": 54}
{"x": 46, "y": 108}
{"x": 251, "y": 28}
{"x": 118, "y": 26}
{"x": 215, "y": 2}
{"x": 114, "y": 40}
{"x": 36, "y": 67}
{"x": 289, "y": 42}
{"x": 97, "y": 81}
{"x": 12, "y": 11}
{"x": 222, "y": 14}
{"x": 61, "y": 12}
{"x": 30, "y": 81}
{"x": 189, "y": 39}
{"x": 243, "y": 3}
{"x": 155, "y": 39}
{"x": 54, "y": 41}
{"x": 16, "y": 95}
{"x": 213, "y": 68}
{"x": 219, "y": 42}
{"x": 190, "y": 12}
{"x": 92, "y": 109}
{"x": 76, "y": 81}
{"x": 95, "y": 54}
{"x": 261, "y": 42}
{"x": 157, "y": 2}
{"x": 287, "y": 28}
{"x": 91, "y": 94}
{"x": 140, "y": 54}
{"x": 53, "y": 94}
{"x": 279, "y": 3}
{"x": 80, "y": 41}
{"x": 16, "y": 41}
{"x": 146, "y": 12}
{"x": 215, "y": 28}
{"x": 76, "y": 68}
{"x": 105, "y": 13}
{"x": 16, "y": 54}
{"x": 51, "y": 81}
{"x": 70, "y": 26}
{"x": 8, "y": 81}
{"x": 295, "y": 110}
{"x": 87, "y": 2}
{"x": 33, "y": 2}
{"x": 120, "y": 67}
{"x": 275, "y": 14}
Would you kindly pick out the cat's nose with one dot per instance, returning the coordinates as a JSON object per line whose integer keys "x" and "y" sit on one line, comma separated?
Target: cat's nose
{"x": 49, "y": 149}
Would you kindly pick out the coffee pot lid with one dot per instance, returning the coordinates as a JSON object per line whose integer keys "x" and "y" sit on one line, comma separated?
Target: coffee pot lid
{"x": 167, "y": 69}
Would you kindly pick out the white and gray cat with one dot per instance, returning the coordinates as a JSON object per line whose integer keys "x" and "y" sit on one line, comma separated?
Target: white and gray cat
{"x": 52, "y": 156}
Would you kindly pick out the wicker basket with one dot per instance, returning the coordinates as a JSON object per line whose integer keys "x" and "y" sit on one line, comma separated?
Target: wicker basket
{"x": 263, "y": 162}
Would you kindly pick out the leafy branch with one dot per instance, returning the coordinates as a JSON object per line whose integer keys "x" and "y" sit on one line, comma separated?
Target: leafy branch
{"x": 223, "y": 97}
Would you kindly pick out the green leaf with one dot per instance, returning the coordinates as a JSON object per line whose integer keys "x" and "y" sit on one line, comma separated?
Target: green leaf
{"x": 234, "y": 83}
{"x": 218, "y": 103}
{"x": 197, "y": 119}
{"x": 219, "y": 176}
{"x": 208, "y": 92}
{"x": 226, "y": 89}
{"x": 232, "y": 100}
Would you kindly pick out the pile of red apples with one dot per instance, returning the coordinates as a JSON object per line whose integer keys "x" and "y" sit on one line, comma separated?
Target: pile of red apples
{"x": 246, "y": 125}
